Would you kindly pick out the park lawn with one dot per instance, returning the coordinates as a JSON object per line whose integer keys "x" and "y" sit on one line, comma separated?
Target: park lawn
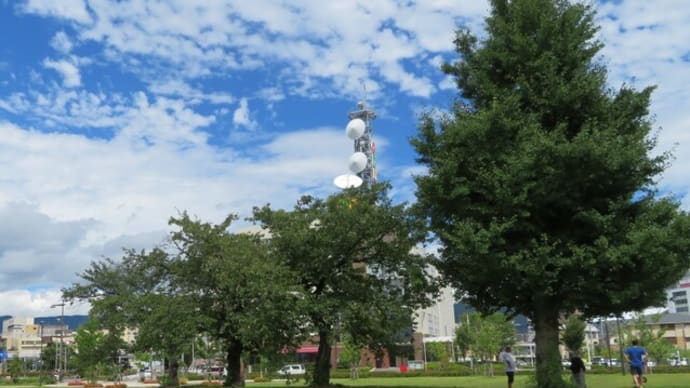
{"x": 676, "y": 380}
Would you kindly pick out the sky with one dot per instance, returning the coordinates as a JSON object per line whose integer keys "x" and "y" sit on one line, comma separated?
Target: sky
{"x": 117, "y": 115}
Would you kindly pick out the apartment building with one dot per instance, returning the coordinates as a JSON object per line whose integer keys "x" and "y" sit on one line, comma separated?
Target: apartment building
{"x": 676, "y": 327}
{"x": 22, "y": 337}
{"x": 678, "y": 296}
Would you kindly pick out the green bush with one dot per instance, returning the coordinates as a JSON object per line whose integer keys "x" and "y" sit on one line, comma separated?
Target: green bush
{"x": 344, "y": 373}
{"x": 195, "y": 377}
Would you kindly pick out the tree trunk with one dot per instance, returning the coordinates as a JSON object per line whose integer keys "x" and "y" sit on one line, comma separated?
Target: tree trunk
{"x": 549, "y": 373}
{"x": 173, "y": 368}
{"x": 234, "y": 364}
{"x": 322, "y": 369}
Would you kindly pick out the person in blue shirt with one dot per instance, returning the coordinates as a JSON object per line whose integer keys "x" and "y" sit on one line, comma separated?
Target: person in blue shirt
{"x": 636, "y": 356}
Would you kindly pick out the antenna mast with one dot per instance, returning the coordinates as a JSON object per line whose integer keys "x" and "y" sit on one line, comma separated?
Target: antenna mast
{"x": 365, "y": 143}
{"x": 363, "y": 161}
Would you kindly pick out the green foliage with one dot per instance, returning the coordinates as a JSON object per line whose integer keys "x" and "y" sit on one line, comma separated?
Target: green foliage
{"x": 15, "y": 368}
{"x": 209, "y": 281}
{"x": 245, "y": 293}
{"x": 485, "y": 336}
{"x": 657, "y": 347}
{"x": 437, "y": 351}
{"x": 574, "y": 333}
{"x": 355, "y": 266}
{"x": 540, "y": 184}
{"x": 351, "y": 356}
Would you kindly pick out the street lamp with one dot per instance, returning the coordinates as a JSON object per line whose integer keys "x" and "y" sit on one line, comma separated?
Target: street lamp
{"x": 421, "y": 324}
{"x": 40, "y": 355}
{"x": 58, "y": 355}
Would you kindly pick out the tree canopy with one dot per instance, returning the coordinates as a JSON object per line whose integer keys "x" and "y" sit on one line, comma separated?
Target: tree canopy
{"x": 356, "y": 263}
{"x": 541, "y": 182}
{"x": 207, "y": 280}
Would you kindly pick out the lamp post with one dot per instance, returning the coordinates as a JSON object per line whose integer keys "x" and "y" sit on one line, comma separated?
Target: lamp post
{"x": 620, "y": 345}
{"x": 58, "y": 355}
{"x": 40, "y": 354}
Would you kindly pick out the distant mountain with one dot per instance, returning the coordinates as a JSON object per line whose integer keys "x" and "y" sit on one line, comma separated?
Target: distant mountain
{"x": 73, "y": 321}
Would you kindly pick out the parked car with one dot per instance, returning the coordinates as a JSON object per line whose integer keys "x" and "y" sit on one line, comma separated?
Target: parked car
{"x": 145, "y": 373}
{"x": 216, "y": 371}
{"x": 292, "y": 369}
{"x": 600, "y": 361}
{"x": 678, "y": 361}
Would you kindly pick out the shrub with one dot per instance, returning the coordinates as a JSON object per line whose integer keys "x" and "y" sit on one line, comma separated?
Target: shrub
{"x": 214, "y": 383}
{"x": 261, "y": 379}
{"x": 195, "y": 377}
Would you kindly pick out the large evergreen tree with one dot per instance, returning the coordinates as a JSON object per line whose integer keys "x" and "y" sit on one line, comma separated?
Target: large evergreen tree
{"x": 540, "y": 184}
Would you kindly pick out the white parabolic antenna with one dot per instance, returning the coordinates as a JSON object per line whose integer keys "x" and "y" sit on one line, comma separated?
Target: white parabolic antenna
{"x": 355, "y": 128}
{"x": 358, "y": 162}
{"x": 347, "y": 180}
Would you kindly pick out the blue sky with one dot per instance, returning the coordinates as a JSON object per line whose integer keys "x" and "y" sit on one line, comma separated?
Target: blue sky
{"x": 115, "y": 115}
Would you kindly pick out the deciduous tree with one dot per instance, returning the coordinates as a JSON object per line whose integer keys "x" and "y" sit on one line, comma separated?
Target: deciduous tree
{"x": 246, "y": 294}
{"x": 354, "y": 256}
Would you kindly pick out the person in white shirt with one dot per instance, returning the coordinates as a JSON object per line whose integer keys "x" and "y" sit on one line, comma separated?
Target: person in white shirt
{"x": 509, "y": 362}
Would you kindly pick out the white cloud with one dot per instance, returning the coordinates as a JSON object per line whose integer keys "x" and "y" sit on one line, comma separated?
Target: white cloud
{"x": 322, "y": 45}
{"x": 242, "y": 116}
{"x": 68, "y": 71}
{"x": 79, "y": 195}
{"x": 61, "y": 42}
{"x": 67, "y": 9}
{"x": 36, "y": 303}
{"x": 179, "y": 88}
{"x": 646, "y": 44}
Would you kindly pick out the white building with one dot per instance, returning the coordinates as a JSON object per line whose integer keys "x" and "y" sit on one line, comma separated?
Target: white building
{"x": 22, "y": 336}
{"x": 678, "y": 296}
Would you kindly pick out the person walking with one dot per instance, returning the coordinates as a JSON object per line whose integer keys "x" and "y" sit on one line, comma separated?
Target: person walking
{"x": 636, "y": 356}
{"x": 577, "y": 367}
{"x": 509, "y": 362}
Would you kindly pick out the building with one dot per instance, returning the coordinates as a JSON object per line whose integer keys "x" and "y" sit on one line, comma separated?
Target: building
{"x": 678, "y": 296}
{"x": 435, "y": 323}
{"x": 676, "y": 327}
{"x": 22, "y": 337}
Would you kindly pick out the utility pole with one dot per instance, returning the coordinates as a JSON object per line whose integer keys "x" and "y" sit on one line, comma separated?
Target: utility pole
{"x": 58, "y": 354}
{"x": 620, "y": 345}
{"x": 40, "y": 355}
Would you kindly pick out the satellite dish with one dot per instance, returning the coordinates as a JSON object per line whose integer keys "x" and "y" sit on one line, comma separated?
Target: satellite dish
{"x": 358, "y": 162}
{"x": 347, "y": 180}
{"x": 355, "y": 128}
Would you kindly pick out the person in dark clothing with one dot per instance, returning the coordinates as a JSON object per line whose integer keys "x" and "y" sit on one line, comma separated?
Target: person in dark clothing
{"x": 577, "y": 367}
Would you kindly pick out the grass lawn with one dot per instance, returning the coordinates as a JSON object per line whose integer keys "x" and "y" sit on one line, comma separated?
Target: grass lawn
{"x": 677, "y": 380}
